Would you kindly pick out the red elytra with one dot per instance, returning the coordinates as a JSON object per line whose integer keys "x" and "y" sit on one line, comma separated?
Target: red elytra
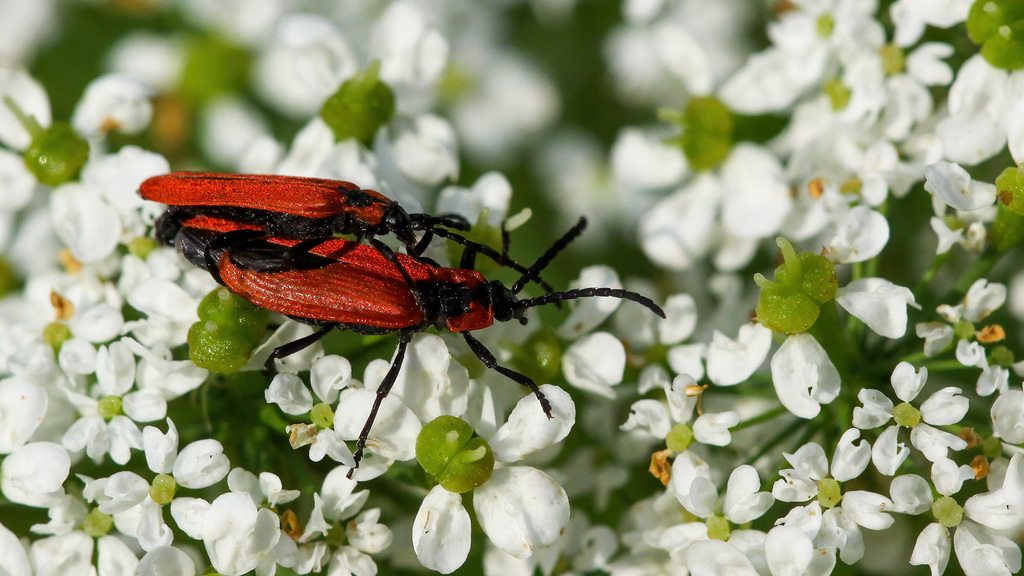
{"x": 301, "y": 208}
{"x": 297, "y": 195}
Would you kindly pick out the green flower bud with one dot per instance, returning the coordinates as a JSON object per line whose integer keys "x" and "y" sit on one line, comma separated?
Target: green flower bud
{"x": 109, "y": 407}
{"x": 1001, "y": 356}
{"x": 230, "y": 311}
{"x": 162, "y": 489}
{"x": 56, "y": 154}
{"x": 469, "y": 468}
{"x": 679, "y": 438}
{"x": 825, "y": 25}
{"x": 360, "y": 107}
{"x": 803, "y": 283}
{"x": 213, "y": 66}
{"x": 893, "y": 59}
{"x": 829, "y": 493}
{"x": 55, "y": 334}
{"x": 838, "y": 93}
{"x": 1007, "y": 230}
{"x": 707, "y": 132}
{"x": 998, "y": 27}
{"x": 97, "y": 523}
{"x": 228, "y": 330}
{"x": 947, "y": 512}
{"x": 964, "y": 330}
{"x": 1010, "y": 188}
{"x": 322, "y": 416}
{"x": 141, "y": 247}
{"x": 992, "y": 447}
{"x": 718, "y": 527}
{"x": 216, "y": 348}
{"x": 446, "y": 448}
{"x": 906, "y": 415}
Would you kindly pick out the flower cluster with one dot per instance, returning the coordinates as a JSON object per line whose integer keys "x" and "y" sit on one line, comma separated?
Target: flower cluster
{"x": 825, "y": 197}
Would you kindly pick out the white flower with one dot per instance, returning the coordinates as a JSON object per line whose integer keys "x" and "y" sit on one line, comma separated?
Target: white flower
{"x": 411, "y": 52}
{"x": 976, "y": 128}
{"x": 943, "y": 408}
{"x": 306, "y": 60}
{"x": 861, "y": 235}
{"x": 424, "y": 149}
{"x": 239, "y": 538}
{"x": 112, "y": 102}
{"x": 641, "y": 160}
{"x": 491, "y": 192}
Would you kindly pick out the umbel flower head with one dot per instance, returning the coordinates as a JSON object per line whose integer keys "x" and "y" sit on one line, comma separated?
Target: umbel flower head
{"x": 825, "y": 197}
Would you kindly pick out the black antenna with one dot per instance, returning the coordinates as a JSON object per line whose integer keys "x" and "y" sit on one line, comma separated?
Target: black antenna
{"x": 547, "y": 257}
{"x": 590, "y": 293}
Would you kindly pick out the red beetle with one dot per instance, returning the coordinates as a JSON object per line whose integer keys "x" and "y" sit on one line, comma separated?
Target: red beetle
{"x": 298, "y": 208}
{"x": 354, "y": 286}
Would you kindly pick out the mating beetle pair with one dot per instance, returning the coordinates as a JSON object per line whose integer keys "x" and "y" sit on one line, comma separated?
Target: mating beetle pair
{"x": 273, "y": 245}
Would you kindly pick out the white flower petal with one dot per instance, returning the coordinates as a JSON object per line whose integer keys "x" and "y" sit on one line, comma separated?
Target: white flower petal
{"x": 86, "y": 224}
{"x": 860, "y": 235}
{"x": 424, "y": 149}
{"x": 878, "y": 303}
{"x": 394, "y": 432}
{"x": 166, "y": 561}
{"x": 717, "y": 557}
{"x": 868, "y": 509}
{"x": 34, "y": 474}
{"x": 595, "y": 363}
{"x": 954, "y": 185}
{"x": 679, "y": 229}
{"x": 528, "y": 429}
{"x": 521, "y": 509}
{"x": 200, "y": 464}
{"x": 441, "y": 531}
{"x": 1008, "y": 416}
{"x": 328, "y": 375}
{"x": 876, "y": 409}
{"x": 944, "y": 407}
{"x": 161, "y": 449}
{"x": 290, "y": 394}
{"x": 932, "y": 548}
{"x": 744, "y": 501}
{"x": 680, "y": 319}
{"x": 888, "y": 454}
{"x": 30, "y": 96}
{"x": 850, "y": 459}
{"x": 713, "y": 428}
{"x": 911, "y": 494}
{"x": 22, "y": 408}
{"x": 730, "y": 362}
{"x": 907, "y": 382}
{"x": 803, "y": 376}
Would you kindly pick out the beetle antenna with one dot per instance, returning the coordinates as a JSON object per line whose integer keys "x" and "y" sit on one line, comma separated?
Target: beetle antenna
{"x": 591, "y": 293}
{"x": 547, "y": 257}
